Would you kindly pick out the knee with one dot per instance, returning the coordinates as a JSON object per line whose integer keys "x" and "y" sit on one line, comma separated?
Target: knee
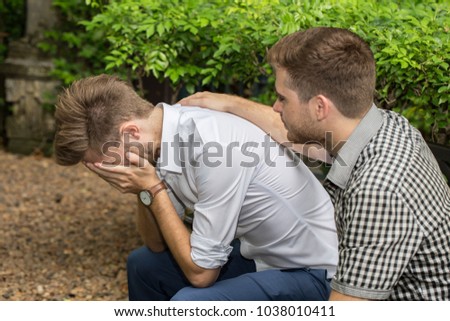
{"x": 181, "y": 295}
{"x": 212, "y": 293}
{"x": 140, "y": 259}
{"x": 133, "y": 258}
{"x": 190, "y": 293}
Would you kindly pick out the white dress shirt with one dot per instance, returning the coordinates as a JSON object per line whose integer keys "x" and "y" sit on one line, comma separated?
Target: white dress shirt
{"x": 241, "y": 184}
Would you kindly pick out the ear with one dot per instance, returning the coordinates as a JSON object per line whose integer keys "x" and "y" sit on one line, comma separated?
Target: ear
{"x": 130, "y": 128}
{"x": 322, "y": 107}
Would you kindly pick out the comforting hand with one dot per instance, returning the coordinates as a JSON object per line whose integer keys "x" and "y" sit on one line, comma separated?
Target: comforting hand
{"x": 206, "y": 99}
{"x": 132, "y": 178}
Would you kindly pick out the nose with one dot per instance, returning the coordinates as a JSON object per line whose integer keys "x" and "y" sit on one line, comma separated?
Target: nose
{"x": 277, "y": 107}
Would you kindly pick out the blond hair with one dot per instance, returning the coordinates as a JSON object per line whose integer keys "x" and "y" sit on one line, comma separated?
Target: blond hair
{"x": 88, "y": 114}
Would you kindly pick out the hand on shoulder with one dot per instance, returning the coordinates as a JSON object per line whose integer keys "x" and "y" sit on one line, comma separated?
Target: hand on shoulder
{"x": 215, "y": 101}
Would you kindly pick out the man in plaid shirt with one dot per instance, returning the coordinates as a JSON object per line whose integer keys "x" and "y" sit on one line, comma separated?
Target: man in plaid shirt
{"x": 392, "y": 204}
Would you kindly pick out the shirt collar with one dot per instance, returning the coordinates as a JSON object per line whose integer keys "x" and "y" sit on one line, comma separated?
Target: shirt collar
{"x": 347, "y": 156}
{"x": 168, "y": 161}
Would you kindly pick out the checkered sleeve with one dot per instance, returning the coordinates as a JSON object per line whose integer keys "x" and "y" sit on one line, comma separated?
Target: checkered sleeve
{"x": 379, "y": 237}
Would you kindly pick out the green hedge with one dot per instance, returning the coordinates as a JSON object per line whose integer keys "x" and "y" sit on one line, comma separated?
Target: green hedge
{"x": 76, "y": 53}
{"x": 220, "y": 43}
{"x": 12, "y": 23}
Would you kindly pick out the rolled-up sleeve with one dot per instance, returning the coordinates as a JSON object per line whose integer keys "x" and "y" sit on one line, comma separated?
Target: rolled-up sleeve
{"x": 208, "y": 253}
{"x": 370, "y": 242}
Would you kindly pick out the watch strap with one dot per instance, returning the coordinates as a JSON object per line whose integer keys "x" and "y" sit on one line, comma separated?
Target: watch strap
{"x": 154, "y": 190}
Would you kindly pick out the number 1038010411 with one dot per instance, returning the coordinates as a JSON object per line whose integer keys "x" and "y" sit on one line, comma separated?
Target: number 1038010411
{"x": 299, "y": 311}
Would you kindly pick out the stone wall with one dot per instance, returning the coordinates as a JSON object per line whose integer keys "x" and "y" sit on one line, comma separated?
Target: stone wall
{"x": 30, "y": 126}
{"x": 28, "y": 85}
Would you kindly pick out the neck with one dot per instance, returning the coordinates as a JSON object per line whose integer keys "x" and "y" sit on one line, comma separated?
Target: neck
{"x": 153, "y": 127}
{"x": 339, "y": 133}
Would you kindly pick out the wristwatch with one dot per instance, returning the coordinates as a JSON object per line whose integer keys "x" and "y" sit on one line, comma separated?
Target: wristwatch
{"x": 147, "y": 196}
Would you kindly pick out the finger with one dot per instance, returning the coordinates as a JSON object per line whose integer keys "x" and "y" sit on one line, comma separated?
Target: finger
{"x": 136, "y": 160}
{"x": 185, "y": 101}
{"x": 92, "y": 167}
{"x": 108, "y": 171}
{"x": 98, "y": 171}
{"x": 124, "y": 186}
{"x": 116, "y": 186}
{"x": 110, "y": 177}
{"x": 193, "y": 99}
{"x": 120, "y": 183}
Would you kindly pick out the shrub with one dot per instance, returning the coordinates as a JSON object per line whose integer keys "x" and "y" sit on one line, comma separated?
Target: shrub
{"x": 76, "y": 53}
{"x": 192, "y": 42}
{"x": 218, "y": 44}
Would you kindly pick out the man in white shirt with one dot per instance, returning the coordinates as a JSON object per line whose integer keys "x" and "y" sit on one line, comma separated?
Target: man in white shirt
{"x": 239, "y": 184}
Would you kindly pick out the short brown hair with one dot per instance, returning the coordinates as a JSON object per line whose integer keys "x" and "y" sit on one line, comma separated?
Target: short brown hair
{"x": 89, "y": 113}
{"x": 333, "y": 62}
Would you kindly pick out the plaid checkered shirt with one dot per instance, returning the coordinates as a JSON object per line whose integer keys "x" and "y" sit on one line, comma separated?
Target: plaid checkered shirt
{"x": 392, "y": 208}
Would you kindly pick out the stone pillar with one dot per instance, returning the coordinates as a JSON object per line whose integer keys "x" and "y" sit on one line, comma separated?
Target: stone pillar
{"x": 28, "y": 85}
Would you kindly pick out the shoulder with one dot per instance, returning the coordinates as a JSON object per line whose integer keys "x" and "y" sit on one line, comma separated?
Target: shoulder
{"x": 398, "y": 162}
{"x": 215, "y": 126}
{"x": 393, "y": 153}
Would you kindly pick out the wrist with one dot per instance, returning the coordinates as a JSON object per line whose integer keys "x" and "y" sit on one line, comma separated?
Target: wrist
{"x": 152, "y": 183}
{"x": 157, "y": 188}
{"x": 148, "y": 195}
{"x": 235, "y": 102}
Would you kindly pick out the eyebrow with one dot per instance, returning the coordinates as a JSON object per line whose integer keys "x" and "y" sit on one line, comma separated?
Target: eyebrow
{"x": 279, "y": 95}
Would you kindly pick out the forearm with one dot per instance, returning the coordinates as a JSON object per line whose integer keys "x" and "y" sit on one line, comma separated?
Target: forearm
{"x": 133, "y": 179}
{"x": 177, "y": 238}
{"x": 261, "y": 115}
{"x": 149, "y": 229}
{"x": 270, "y": 122}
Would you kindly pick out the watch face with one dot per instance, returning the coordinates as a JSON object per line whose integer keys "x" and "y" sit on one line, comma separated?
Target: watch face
{"x": 145, "y": 197}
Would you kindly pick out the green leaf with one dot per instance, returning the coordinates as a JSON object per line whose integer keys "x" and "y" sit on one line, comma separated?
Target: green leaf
{"x": 150, "y": 31}
{"x": 443, "y": 89}
{"x": 110, "y": 66}
{"x": 442, "y": 100}
{"x": 206, "y": 80}
{"x": 160, "y": 29}
{"x": 203, "y": 22}
{"x": 190, "y": 88}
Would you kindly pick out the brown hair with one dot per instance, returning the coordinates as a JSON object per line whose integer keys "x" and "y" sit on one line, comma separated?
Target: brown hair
{"x": 89, "y": 113}
{"x": 333, "y": 62}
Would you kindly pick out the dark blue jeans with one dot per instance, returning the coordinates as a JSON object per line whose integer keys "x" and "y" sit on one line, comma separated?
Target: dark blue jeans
{"x": 156, "y": 276}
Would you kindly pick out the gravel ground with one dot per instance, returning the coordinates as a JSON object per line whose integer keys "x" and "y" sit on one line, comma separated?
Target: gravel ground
{"x": 64, "y": 233}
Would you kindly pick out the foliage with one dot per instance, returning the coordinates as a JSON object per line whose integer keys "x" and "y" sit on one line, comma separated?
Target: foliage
{"x": 193, "y": 42}
{"x": 216, "y": 44}
{"x": 12, "y": 23}
{"x": 76, "y": 53}
{"x": 411, "y": 43}
{"x": 413, "y": 57}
